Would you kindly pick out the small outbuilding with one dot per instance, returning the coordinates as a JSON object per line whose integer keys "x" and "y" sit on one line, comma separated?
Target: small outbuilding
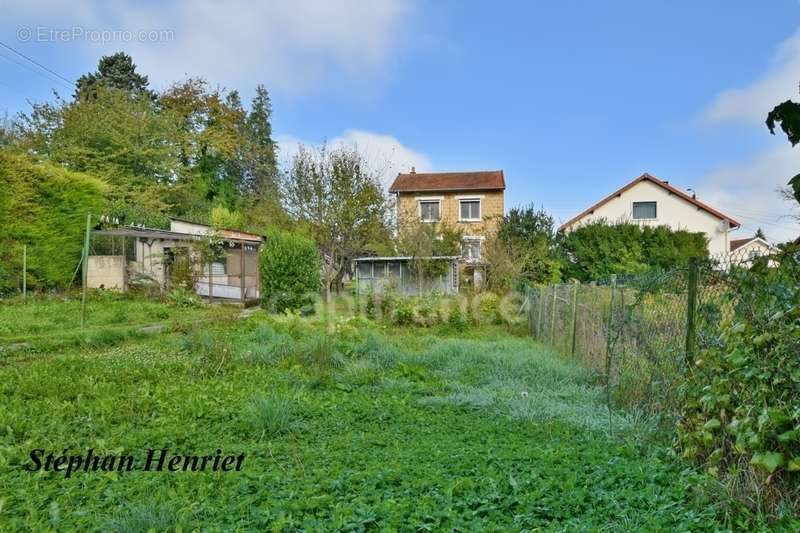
{"x": 399, "y": 274}
{"x": 131, "y": 255}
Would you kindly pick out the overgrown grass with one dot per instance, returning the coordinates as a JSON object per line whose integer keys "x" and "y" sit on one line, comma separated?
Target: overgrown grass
{"x": 349, "y": 426}
{"x": 51, "y": 315}
{"x": 271, "y": 415}
{"x": 50, "y": 323}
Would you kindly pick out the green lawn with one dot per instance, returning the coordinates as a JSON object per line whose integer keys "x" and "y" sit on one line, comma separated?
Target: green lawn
{"x": 45, "y": 323}
{"x": 352, "y": 429}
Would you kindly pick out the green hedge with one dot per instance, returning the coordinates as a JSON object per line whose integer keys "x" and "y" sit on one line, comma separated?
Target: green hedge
{"x": 290, "y": 271}
{"x": 45, "y": 207}
{"x": 597, "y": 250}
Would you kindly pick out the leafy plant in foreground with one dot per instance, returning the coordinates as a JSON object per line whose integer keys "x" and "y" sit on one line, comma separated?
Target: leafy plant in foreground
{"x": 742, "y": 401}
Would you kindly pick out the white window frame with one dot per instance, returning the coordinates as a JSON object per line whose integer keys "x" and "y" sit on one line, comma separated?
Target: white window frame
{"x": 429, "y": 199}
{"x": 644, "y": 202}
{"x": 478, "y": 199}
{"x": 472, "y": 238}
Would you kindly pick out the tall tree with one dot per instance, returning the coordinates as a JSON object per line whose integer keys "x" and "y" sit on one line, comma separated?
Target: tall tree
{"x": 261, "y": 174}
{"x": 210, "y": 140}
{"x": 527, "y": 237}
{"x": 335, "y": 196}
{"x": 117, "y": 71}
{"x": 260, "y": 168}
{"x": 124, "y": 140}
{"x": 788, "y": 115}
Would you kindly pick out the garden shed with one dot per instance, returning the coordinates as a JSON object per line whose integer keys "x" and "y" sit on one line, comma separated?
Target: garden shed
{"x": 126, "y": 256}
{"x": 381, "y": 274}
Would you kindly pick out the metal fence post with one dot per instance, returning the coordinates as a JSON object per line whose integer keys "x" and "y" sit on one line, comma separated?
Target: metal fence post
{"x": 609, "y": 344}
{"x": 241, "y": 274}
{"x": 85, "y": 260}
{"x": 691, "y": 309}
{"x": 24, "y": 272}
{"x": 553, "y": 315}
{"x": 574, "y": 317}
{"x": 540, "y": 320}
{"x": 531, "y": 313}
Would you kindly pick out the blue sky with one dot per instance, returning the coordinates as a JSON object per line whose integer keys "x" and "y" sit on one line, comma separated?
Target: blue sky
{"x": 572, "y": 99}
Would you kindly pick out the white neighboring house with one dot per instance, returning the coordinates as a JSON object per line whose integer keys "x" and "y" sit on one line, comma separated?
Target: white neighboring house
{"x": 746, "y": 250}
{"x": 650, "y": 201}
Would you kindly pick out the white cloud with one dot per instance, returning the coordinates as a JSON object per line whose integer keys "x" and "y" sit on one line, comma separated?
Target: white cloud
{"x": 287, "y": 45}
{"x": 748, "y": 192}
{"x": 386, "y": 155}
{"x": 750, "y": 104}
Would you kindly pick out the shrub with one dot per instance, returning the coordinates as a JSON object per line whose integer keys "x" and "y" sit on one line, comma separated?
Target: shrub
{"x": 290, "y": 272}
{"x": 183, "y": 298}
{"x": 403, "y": 312}
{"x": 743, "y": 392}
{"x": 487, "y": 309}
{"x": 458, "y": 319}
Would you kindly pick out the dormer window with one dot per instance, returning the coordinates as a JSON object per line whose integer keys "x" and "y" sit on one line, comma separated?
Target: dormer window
{"x": 644, "y": 210}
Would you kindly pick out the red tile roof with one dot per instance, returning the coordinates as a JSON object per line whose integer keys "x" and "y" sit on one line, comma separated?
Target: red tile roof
{"x": 449, "y": 181}
{"x": 738, "y": 243}
{"x": 664, "y": 185}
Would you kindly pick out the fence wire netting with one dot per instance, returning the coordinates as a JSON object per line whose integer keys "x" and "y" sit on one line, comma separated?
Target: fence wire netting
{"x": 639, "y": 333}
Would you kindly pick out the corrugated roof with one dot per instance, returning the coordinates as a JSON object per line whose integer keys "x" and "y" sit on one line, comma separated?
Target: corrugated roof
{"x": 449, "y": 181}
{"x": 664, "y": 185}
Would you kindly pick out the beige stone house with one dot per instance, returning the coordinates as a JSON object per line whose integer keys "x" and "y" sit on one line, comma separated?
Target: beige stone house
{"x": 472, "y": 202}
{"x": 650, "y": 201}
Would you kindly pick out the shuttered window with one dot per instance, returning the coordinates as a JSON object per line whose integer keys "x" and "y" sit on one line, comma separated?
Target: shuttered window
{"x": 217, "y": 269}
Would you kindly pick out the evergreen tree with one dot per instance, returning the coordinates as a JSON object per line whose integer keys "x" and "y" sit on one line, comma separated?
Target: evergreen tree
{"x": 262, "y": 167}
{"x": 117, "y": 71}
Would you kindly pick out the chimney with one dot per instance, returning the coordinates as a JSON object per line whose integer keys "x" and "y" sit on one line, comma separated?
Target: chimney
{"x": 413, "y": 170}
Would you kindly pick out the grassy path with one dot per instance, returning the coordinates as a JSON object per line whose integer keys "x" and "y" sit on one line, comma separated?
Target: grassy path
{"x": 352, "y": 431}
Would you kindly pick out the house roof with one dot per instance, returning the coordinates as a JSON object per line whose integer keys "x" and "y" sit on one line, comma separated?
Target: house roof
{"x": 449, "y": 181}
{"x": 664, "y": 185}
{"x": 153, "y": 233}
{"x": 738, "y": 243}
{"x": 224, "y": 232}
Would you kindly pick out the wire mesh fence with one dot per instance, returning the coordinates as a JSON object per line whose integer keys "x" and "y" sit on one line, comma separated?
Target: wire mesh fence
{"x": 640, "y": 332}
